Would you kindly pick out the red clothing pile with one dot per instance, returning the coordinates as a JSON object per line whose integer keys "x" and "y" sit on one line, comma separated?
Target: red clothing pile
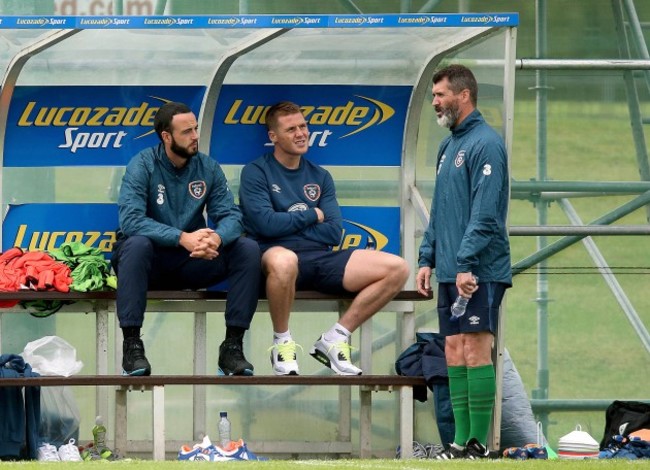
{"x": 33, "y": 270}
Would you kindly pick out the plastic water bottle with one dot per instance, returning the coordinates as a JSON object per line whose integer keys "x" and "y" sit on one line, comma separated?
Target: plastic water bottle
{"x": 460, "y": 305}
{"x": 99, "y": 434}
{"x": 224, "y": 430}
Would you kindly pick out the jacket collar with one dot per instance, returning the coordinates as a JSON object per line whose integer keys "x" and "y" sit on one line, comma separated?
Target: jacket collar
{"x": 472, "y": 120}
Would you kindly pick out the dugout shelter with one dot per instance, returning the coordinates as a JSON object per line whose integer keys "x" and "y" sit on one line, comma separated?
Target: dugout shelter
{"x": 79, "y": 94}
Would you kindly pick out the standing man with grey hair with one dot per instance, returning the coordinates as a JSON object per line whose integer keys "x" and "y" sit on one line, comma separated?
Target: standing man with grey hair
{"x": 467, "y": 244}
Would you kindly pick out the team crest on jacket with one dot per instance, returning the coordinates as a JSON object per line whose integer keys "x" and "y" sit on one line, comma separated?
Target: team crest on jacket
{"x": 312, "y": 191}
{"x": 460, "y": 158}
{"x": 197, "y": 189}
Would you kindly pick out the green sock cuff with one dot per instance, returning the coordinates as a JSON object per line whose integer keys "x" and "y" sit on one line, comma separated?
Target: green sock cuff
{"x": 481, "y": 372}
{"x": 457, "y": 372}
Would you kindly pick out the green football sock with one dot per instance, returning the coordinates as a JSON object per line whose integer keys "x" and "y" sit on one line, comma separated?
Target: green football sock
{"x": 481, "y": 384}
{"x": 458, "y": 392}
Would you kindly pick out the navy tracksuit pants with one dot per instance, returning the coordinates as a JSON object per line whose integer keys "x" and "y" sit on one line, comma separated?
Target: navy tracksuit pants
{"x": 140, "y": 266}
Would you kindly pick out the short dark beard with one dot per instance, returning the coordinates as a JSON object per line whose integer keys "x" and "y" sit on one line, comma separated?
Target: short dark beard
{"x": 181, "y": 151}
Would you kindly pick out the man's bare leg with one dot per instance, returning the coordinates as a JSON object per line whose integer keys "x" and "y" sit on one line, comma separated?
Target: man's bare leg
{"x": 281, "y": 269}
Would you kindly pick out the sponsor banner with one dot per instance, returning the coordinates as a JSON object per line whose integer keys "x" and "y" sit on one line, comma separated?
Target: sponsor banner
{"x": 425, "y": 20}
{"x": 349, "y": 124}
{"x": 44, "y": 227}
{"x": 260, "y": 21}
{"x": 374, "y": 228}
{"x": 86, "y": 125}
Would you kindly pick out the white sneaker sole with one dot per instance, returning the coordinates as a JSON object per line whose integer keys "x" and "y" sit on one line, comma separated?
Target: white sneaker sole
{"x": 323, "y": 358}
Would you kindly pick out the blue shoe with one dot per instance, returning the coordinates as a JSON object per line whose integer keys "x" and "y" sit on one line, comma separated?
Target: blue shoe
{"x": 237, "y": 450}
{"x": 203, "y": 452}
{"x": 537, "y": 452}
{"x": 516, "y": 453}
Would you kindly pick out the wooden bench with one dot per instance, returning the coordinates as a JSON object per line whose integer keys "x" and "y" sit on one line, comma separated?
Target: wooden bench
{"x": 101, "y": 303}
{"x": 157, "y": 383}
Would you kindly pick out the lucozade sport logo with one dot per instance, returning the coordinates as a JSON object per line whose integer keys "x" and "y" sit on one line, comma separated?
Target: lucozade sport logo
{"x": 361, "y": 116}
{"x": 45, "y": 226}
{"x": 351, "y": 125}
{"x": 86, "y": 125}
{"x": 75, "y": 117}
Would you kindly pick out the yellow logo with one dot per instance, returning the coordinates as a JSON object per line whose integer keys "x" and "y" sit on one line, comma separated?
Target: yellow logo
{"x": 47, "y": 240}
{"x": 93, "y": 116}
{"x": 359, "y": 115}
{"x": 373, "y": 239}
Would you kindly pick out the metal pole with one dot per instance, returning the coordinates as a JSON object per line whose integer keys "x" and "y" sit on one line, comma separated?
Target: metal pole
{"x": 533, "y": 230}
{"x": 541, "y": 392}
{"x": 160, "y": 7}
{"x": 610, "y": 278}
{"x": 636, "y": 120}
{"x": 637, "y": 33}
{"x": 563, "y": 243}
{"x": 582, "y": 64}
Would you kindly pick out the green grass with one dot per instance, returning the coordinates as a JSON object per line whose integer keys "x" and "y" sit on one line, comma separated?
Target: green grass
{"x": 375, "y": 464}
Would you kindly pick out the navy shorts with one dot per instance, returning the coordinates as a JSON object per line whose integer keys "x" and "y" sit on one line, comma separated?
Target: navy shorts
{"x": 482, "y": 312}
{"x": 321, "y": 270}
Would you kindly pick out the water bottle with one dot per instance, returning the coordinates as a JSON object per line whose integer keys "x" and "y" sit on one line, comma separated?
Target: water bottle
{"x": 99, "y": 434}
{"x": 224, "y": 430}
{"x": 460, "y": 305}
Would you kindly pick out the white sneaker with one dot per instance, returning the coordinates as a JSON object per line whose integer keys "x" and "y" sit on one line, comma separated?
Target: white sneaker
{"x": 283, "y": 358}
{"x": 70, "y": 452}
{"x": 47, "y": 453}
{"x": 336, "y": 356}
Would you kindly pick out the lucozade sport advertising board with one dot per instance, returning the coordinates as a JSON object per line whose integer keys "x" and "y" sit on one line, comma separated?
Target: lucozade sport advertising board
{"x": 45, "y": 226}
{"x": 86, "y": 125}
{"x": 351, "y": 125}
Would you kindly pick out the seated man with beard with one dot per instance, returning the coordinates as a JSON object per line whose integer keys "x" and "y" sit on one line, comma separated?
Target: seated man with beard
{"x": 164, "y": 242}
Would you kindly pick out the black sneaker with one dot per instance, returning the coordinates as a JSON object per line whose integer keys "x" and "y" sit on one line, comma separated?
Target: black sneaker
{"x": 232, "y": 360}
{"x": 134, "y": 362}
{"x": 476, "y": 450}
{"x": 451, "y": 453}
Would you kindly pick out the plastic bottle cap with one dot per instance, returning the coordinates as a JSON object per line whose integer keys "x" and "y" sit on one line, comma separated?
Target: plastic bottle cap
{"x": 223, "y": 413}
{"x": 99, "y": 420}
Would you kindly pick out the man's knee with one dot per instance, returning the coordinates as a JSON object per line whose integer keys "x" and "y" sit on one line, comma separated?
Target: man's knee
{"x": 135, "y": 248}
{"x": 477, "y": 348}
{"x": 280, "y": 262}
{"x": 400, "y": 271}
{"x": 248, "y": 250}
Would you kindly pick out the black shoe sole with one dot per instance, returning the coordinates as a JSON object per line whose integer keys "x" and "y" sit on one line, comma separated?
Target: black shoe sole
{"x": 245, "y": 372}
{"x": 137, "y": 372}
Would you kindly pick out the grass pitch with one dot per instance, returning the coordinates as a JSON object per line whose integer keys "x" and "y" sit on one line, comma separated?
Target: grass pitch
{"x": 375, "y": 464}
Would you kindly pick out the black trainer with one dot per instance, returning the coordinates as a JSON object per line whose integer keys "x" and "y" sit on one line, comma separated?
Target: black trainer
{"x": 232, "y": 360}
{"x": 475, "y": 450}
{"x": 450, "y": 453}
{"x": 134, "y": 362}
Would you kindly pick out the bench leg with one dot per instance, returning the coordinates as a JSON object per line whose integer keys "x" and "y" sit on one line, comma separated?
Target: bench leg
{"x": 406, "y": 421}
{"x": 101, "y": 355}
{"x": 200, "y": 368}
{"x": 120, "y": 419}
{"x": 158, "y": 413}
{"x": 365, "y": 423}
